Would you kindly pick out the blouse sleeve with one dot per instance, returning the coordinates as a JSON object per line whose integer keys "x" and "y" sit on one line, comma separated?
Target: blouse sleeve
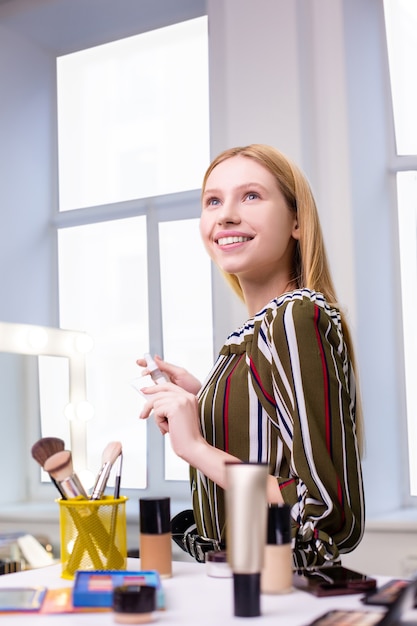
{"x": 314, "y": 391}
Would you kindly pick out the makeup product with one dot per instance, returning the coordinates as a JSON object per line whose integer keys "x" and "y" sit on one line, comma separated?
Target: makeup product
{"x": 246, "y": 509}
{"x": 59, "y": 466}
{"x": 155, "y": 535}
{"x": 332, "y": 580}
{"x": 22, "y": 599}
{"x": 277, "y": 570}
{"x": 133, "y": 604}
{"x": 142, "y": 381}
{"x": 90, "y": 537}
{"x": 157, "y": 376}
{"x": 46, "y": 447}
{"x": 110, "y": 454}
{"x": 217, "y": 565}
{"x": 115, "y": 509}
{"x": 94, "y": 588}
{"x": 43, "y": 449}
{"x": 118, "y": 477}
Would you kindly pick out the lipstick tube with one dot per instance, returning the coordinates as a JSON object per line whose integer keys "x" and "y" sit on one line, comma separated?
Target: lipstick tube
{"x": 246, "y": 510}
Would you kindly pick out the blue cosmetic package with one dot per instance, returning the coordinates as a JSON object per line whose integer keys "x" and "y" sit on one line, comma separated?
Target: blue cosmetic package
{"x": 94, "y": 588}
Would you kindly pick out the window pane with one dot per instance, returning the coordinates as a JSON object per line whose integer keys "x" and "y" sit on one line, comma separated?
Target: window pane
{"x": 133, "y": 116}
{"x": 407, "y": 212}
{"x": 103, "y": 290}
{"x": 401, "y": 25}
{"x": 186, "y": 310}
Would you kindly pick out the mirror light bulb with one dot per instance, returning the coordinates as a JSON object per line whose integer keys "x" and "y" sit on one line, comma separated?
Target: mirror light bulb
{"x": 37, "y": 338}
{"x": 84, "y": 411}
{"x": 84, "y": 343}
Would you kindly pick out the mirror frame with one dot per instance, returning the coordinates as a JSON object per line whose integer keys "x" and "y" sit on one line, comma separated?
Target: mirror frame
{"x": 29, "y": 339}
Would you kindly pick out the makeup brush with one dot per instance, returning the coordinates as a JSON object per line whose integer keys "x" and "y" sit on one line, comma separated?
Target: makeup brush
{"x": 43, "y": 449}
{"x": 110, "y": 454}
{"x": 59, "y": 466}
{"x": 44, "y": 452}
{"x": 113, "y": 552}
{"x": 46, "y": 447}
{"x": 118, "y": 477}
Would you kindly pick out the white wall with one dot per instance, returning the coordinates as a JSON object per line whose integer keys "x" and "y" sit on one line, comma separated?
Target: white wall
{"x": 278, "y": 76}
{"x": 28, "y": 190}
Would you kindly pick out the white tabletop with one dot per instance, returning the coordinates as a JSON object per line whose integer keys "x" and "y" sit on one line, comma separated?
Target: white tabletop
{"x": 191, "y": 598}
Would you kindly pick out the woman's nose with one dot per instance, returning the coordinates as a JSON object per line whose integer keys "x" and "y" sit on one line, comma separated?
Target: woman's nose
{"x": 228, "y": 213}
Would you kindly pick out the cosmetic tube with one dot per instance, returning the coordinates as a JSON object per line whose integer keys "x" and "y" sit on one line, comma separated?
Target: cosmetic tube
{"x": 155, "y": 535}
{"x": 277, "y": 571}
{"x": 157, "y": 376}
{"x": 246, "y": 511}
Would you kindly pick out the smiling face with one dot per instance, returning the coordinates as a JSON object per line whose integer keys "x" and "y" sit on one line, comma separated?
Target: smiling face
{"x": 246, "y": 225}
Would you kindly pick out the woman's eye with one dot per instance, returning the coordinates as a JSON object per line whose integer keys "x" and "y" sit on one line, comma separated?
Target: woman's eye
{"x": 212, "y": 202}
{"x": 252, "y": 195}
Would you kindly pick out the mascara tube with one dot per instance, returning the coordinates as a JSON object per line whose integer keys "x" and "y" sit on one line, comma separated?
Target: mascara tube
{"x": 246, "y": 510}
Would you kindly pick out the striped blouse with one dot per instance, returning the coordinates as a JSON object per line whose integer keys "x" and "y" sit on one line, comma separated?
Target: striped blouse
{"x": 282, "y": 392}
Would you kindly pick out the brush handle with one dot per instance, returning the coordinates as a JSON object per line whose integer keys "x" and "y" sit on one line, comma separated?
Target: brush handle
{"x": 101, "y": 482}
{"x": 112, "y": 553}
{"x": 117, "y": 487}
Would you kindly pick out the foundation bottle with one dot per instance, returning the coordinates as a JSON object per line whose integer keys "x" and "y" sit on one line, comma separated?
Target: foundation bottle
{"x": 155, "y": 535}
{"x": 276, "y": 574}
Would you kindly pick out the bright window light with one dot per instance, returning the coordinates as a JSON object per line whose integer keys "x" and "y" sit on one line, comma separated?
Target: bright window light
{"x": 186, "y": 310}
{"x": 104, "y": 287}
{"x": 401, "y": 27}
{"x": 133, "y": 117}
{"x": 133, "y": 124}
{"x": 407, "y": 221}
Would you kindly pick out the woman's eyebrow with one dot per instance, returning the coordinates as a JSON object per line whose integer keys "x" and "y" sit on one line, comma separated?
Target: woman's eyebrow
{"x": 242, "y": 187}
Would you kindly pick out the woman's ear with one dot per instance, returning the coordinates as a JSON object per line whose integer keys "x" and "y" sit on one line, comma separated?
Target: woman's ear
{"x": 296, "y": 230}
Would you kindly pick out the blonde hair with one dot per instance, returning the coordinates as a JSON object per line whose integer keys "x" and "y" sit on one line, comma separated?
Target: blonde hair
{"x": 310, "y": 264}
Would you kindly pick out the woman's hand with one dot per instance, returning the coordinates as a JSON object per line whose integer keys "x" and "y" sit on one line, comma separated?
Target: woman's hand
{"x": 176, "y": 412}
{"x": 177, "y": 375}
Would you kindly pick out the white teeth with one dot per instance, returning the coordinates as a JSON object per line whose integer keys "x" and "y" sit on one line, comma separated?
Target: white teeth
{"x": 224, "y": 241}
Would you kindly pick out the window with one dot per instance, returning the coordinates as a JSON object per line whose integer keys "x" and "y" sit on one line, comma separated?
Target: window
{"x": 133, "y": 147}
{"x": 401, "y": 29}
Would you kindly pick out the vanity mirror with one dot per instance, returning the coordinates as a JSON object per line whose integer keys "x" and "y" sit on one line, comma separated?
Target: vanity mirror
{"x": 57, "y": 358}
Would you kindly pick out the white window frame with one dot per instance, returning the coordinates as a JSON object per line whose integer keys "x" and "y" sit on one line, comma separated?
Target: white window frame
{"x": 157, "y": 209}
{"x": 402, "y": 163}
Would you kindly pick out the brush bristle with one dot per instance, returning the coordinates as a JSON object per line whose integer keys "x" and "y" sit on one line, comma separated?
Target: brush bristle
{"x": 59, "y": 465}
{"x": 111, "y": 452}
{"x": 46, "y": 447}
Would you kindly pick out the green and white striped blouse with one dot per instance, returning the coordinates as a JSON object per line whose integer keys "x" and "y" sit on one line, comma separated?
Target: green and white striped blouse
{"x": 282, "y": 392}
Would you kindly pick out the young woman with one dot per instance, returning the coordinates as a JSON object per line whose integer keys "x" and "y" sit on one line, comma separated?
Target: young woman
{"x": 282, "y": 390}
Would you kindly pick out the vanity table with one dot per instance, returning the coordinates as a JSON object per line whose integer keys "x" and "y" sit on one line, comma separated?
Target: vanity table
{"x": 192, "y": 599}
